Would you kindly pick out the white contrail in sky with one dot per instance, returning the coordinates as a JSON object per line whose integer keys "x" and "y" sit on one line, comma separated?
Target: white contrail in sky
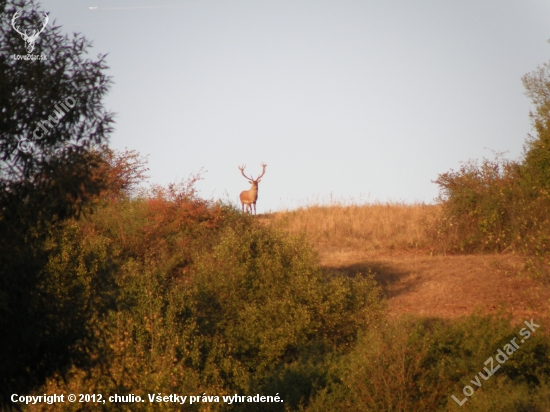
{"x": 134, "y": 7}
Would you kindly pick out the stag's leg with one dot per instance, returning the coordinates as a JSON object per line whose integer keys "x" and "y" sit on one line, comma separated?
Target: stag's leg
{"x": 254, "y": 207}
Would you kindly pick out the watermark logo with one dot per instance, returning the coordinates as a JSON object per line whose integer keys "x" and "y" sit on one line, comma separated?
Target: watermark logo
{"x": 29, "y": 39}
{"x": 501, "y": 358}
{"x": 26, "y": 145}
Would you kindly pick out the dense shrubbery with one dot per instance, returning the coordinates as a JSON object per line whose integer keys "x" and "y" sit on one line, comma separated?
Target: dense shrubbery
{"x": 491, "y": 208}
{"x": 480, "y": 207}
{"x": 416, "y": 365}
{"x": 207, "y": 300}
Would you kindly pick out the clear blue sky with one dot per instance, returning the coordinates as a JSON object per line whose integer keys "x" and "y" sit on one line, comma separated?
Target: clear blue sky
{"x": 364, "y": 100}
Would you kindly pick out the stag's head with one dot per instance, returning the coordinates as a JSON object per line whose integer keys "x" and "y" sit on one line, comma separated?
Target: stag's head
{"x": 251, "y": 180}
{"x": 29, "y": 39}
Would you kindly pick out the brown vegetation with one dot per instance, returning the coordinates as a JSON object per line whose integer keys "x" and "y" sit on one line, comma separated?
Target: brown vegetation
{"x": 393, "y": 242}
{"x": 368, "y": 228}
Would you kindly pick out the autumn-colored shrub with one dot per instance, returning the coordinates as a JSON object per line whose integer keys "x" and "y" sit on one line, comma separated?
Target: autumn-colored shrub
{"x": 479, "y": 207}
{"x": 120, "y": 173}
{"x": 204, "y": 299}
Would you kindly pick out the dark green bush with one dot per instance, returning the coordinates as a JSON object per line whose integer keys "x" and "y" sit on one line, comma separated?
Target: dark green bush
{"x": 208, "y": 300}
{"x": 417, "y": 365}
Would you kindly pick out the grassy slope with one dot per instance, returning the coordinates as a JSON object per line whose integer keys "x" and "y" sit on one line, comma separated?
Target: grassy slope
{"x": 391, "y": 240}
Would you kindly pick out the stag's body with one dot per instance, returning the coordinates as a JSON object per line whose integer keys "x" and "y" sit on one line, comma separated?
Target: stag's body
{"x": 249, "y": 197}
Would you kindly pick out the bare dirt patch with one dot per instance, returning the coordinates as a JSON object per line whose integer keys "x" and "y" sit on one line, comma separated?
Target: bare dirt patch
{"x": 449, "y": 286}
{"x": 392, "y": 241}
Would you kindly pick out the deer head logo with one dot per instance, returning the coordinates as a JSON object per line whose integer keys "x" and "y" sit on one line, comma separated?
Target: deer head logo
{"x": 29, "y": 39}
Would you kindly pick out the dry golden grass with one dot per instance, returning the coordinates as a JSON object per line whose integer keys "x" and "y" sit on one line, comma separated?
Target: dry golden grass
{"x": 373, "y": 227}
{"x": 392, "y": 241}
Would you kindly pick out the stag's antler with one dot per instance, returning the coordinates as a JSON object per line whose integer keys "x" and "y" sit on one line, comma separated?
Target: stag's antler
{"x": 241, "y": 168}
{"x": 263, "y": 171}
{"x": 33, "y": 37}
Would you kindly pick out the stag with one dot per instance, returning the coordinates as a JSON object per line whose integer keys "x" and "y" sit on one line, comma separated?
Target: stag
{"x": 249, "y": 197}
{"x": 29, "y": 40}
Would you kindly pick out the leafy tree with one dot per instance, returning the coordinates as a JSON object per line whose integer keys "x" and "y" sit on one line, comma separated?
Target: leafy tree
{"x": 537, "y": 151}
{"x": 51, "y": 115}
